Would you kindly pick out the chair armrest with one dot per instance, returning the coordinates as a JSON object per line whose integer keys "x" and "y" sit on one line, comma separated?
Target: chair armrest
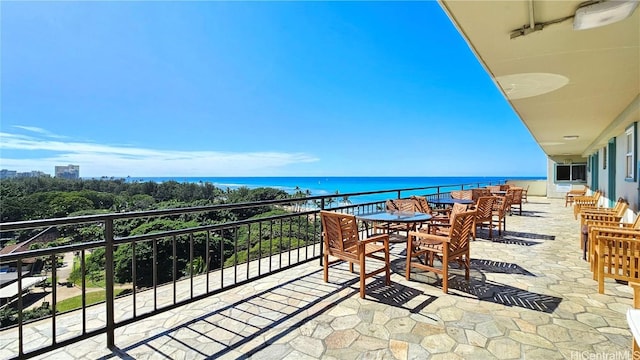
{"x": 441, "y": 211}
{"x": 375, "y": 238}
{"x": 597, "y": 210}
{"x": 439, "y": 219}
{"x": 634, "y": 233}
{"x": 584, "y": 198}
{"x": 427, "y": 236}
{"x": 606, "y": 223}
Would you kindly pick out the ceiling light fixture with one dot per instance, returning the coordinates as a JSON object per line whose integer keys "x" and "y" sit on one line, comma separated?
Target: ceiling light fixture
{"x": 589, "y": 15}
{"x": 571, "y": 137}
{"x": 603, "y": 13}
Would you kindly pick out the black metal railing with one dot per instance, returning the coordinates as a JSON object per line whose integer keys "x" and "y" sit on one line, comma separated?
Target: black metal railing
{"x": 167, "y": 268}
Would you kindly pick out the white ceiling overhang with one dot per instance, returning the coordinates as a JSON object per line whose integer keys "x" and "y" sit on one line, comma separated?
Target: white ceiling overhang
{"x": 560, "y": 81}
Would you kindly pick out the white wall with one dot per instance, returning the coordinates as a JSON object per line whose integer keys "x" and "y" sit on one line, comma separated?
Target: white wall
{"x": 625, "y": 189}
{"x": 535, "y": 187}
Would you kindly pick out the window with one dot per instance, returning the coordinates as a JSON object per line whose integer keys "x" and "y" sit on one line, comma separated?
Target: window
{"x": 630, "y": 153}
{"x": 571, "y": 172}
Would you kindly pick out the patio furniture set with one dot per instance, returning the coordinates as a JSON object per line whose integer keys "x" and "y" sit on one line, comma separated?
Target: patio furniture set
{"x": 441, "y": 233}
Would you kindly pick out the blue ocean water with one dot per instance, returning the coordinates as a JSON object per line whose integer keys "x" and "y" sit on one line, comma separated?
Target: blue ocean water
{"x": 342, "y": 185}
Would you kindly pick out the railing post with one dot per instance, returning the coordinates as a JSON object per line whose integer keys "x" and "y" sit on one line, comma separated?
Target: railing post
{"x": 109, "y": 279}
{"x": 321, "y": 236}
{"x": 399, "y": 194}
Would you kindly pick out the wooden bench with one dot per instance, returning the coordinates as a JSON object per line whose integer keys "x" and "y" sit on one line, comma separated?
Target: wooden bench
{"x": 616, "y": 255}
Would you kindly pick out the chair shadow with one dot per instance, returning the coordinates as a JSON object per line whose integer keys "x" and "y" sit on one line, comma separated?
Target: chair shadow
{"x": 537, "y": 202}
{"x": 398, "y": 295}
{"x": 513, "y": 237}
{"x": 519, "y": 242}
{"x": 506, "y": 237}
{"x": 486, "y": 290}
{"x": 479, "y": 287}
{"x": 529, "y": 213}
{"x": 485, "y": 265}
{"x": 526, "y": 235}
{"x": 502, "y": 294}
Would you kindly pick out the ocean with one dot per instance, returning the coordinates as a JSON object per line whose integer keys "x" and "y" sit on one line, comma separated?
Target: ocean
{"x": 329, "y": 185}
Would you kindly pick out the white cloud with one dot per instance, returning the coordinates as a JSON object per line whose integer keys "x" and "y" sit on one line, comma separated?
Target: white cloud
{"x": 106, "y": 160}
{"x": 39, "y": 131}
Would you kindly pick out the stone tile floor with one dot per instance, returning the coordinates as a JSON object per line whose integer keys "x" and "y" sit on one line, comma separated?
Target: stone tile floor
{"x": 531, "y": 296}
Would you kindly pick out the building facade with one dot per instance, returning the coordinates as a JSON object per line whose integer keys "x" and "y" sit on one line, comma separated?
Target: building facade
{"x": 68, "y": 172}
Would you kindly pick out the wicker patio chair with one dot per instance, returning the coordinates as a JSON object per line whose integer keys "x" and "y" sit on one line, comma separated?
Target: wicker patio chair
{"x": 425, "y": 248}
{"x": 494, "y": 188}
{"x": 580, "y": 202}
{"x": 616, "y": 255}
{"x": 484, "y": 214}
{"x": 342, "y": 240}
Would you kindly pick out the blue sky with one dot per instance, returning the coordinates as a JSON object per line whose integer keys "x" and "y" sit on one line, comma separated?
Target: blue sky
{"x": 251, "y": 89}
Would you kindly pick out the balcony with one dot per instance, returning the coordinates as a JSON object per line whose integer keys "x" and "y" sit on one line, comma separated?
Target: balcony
{"x": 530, "y": 296}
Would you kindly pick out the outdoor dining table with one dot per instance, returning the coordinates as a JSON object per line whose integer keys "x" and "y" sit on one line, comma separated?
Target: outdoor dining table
{"x": 389, "y": 217}
{"x": 449, "y": 201}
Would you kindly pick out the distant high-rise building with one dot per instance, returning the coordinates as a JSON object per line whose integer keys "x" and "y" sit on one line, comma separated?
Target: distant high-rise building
{"x": 12, "y": 174}
{"x": 68, "y": 172}
{"x": 7, "y": 174}
{"x": 33, "y": 173}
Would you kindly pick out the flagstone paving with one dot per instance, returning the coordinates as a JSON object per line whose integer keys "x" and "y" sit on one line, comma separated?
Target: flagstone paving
{"x": 530, "y": 296}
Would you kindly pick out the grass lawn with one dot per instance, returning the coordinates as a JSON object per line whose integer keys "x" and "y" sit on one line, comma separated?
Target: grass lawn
{"x": 76, "y": 301}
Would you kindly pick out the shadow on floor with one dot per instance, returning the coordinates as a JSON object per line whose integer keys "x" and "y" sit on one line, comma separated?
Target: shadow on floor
{"x": 510, "y": 241}
{"x": 506, "y": 237}
{"x": 237, "y": 322}
{"x": 481, "y": 288}
{"x": 527, "y": 235}
{"x": 272, "y": 314}
{"x": 504, "y": 294}
{"x": 485, "y": 265}
{"x": 398, "y": 295}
